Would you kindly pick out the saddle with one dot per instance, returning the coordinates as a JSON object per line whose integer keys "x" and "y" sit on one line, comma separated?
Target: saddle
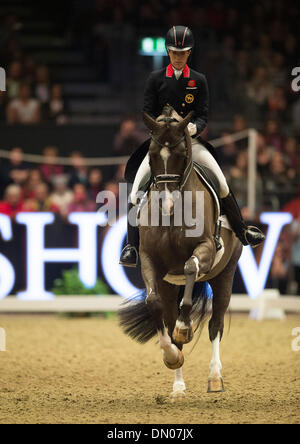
{"x": 212, "y": 184}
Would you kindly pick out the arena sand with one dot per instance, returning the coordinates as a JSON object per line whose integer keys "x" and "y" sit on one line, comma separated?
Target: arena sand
{"x": 59, "y": 370}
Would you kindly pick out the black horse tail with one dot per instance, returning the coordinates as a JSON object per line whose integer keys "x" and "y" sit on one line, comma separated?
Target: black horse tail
{"x": 136, "y": 319}
{"x": 137, "y": 322}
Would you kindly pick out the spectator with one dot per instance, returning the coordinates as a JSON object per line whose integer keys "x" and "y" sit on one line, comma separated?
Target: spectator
{"x": 50, "y": 168}
{"x": 239, "y": 184}
{"x": 24, "y": 109}
{"x": 41, "y": 200}
{"x": 129, "y": 138}
{"x": 280, "y": 269}
{"x": 61, "y": 196}
{"x": 277, "y": 104}
{"x": 14, "y": 170}
{"x": 42, "y": 84}
{"x": 260, "y": 88}
{"x": 13, "y": 80}
{"x": 33, "y": 180}
{"x": 29, "y": 70}
{"x": 273, "y": 134}
{"x": 12, "y": 203}
{"x": 94, "y": 183}
{"x": 279, "y": 181}
{"x": 81, "y": 201}
{"x": 79, "y": 170}
{"x": 228, "y": 153}
{"x": 56, "y": 108}
{"x": 291, "y": 148}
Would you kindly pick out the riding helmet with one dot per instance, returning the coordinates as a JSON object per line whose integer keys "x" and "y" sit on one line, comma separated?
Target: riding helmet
{"x": 179, "y": 38}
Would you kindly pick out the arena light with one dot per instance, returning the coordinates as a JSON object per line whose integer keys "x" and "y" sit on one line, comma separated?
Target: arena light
{"x": 152, "y": 46}
{"x": 37, "y": 255}
{"x": 7, "y": 272}
{"x": 110, "y": 255}
{"x": 254, "y": 276}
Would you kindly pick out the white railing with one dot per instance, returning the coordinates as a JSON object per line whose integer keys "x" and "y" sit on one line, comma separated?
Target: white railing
{"x": 269, "y": 305}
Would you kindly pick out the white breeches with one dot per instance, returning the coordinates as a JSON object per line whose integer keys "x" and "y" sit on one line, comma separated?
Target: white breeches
{"x": 200, "y": 155}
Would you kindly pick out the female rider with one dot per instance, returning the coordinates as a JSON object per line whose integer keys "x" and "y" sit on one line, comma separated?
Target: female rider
{"x": 185, "y": 90}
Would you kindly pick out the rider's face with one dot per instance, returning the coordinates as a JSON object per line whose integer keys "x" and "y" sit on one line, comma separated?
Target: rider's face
{"x": 179, "y": 58}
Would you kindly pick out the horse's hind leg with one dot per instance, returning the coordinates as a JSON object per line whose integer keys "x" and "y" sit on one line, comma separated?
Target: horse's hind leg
{"x": 222, "y": 288}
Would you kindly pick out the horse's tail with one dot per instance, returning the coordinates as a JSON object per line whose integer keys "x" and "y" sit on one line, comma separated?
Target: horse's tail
{"x": 136, "y": 319}
{"x": 201, "y": 298}
{"x": 138, "y": 323}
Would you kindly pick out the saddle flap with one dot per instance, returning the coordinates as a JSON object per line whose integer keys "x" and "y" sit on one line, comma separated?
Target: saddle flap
{"x": 210, "y": 180}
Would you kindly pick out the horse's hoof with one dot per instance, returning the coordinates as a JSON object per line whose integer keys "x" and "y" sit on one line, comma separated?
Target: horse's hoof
{"x": 215, "y": 385}
{"x": 182, "y": 334}
{"x": 177, "y": 396}
{"x": 178, "y": 363}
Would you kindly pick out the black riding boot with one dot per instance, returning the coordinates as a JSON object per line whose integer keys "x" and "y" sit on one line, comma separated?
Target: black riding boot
{"x": 130, "y": 256}
{"x": 248, "y": 235}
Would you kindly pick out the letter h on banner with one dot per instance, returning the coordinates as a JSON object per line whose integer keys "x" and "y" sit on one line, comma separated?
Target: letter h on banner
{"x": 37, "y": 255}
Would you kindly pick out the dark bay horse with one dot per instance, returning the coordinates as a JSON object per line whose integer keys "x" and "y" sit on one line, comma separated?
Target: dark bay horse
{"x": 173, "y": 261}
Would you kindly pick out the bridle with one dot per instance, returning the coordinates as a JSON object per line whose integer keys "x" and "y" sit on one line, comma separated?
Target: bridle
{"x": 180, "y": 179}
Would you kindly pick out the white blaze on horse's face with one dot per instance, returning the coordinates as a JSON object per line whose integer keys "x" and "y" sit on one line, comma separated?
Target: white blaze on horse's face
{"x": 168, "y": 202}
{"x": 165, "y": 154}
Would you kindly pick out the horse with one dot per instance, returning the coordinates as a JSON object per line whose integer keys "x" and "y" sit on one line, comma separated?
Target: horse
{"x": 177, "y": 268}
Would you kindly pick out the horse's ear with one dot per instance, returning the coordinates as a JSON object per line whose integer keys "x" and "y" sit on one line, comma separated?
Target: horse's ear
{"x": 150, "y": 122}
{"x": 182, "y": 125}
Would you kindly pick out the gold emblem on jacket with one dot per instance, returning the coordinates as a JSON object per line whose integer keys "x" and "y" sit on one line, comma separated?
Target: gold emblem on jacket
{"x": 189, "y": 98}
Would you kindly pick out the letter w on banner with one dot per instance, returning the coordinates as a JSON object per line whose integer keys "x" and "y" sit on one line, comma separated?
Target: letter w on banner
{"x": 254, "y": 276}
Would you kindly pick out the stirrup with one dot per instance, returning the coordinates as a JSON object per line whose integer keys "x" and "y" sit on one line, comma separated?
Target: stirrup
{"x": 129, "y": 256}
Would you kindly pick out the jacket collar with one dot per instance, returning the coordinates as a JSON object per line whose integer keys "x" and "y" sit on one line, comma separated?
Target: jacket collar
{"x": 170, "y": 71}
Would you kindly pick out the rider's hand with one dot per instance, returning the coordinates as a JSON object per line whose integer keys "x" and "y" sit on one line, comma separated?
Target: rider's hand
{"x": 192, "y": 129}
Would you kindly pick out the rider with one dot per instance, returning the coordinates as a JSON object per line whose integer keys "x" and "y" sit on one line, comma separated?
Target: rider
{"x": 185, "y": 90}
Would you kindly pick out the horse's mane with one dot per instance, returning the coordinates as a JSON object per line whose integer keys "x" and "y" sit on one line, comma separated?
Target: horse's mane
{"x": 169, "y": 111}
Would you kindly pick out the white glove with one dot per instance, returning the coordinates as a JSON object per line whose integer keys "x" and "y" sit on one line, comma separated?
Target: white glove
{"x": 192, "y": 129}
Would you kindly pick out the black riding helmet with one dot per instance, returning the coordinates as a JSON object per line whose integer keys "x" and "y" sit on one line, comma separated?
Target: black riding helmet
{"x": 179, "y": 38}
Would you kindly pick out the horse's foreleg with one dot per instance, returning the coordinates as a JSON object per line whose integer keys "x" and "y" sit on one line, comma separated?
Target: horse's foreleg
{"x": 199, "y": 263}
{"x": 172, "y": 356}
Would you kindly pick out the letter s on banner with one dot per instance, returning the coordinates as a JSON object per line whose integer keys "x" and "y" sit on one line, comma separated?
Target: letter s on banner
{"x": 7, "y": 273}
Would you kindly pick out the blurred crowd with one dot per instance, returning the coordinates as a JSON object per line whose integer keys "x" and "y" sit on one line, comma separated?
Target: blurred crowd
{"x": 246, "y": 51}
{"x": 50, "y": 186}
{"x": 31, "y": 96}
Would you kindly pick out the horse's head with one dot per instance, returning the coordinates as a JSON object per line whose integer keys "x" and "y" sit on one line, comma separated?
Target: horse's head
{"x": 170, "y": 148}
{"x": 170, "y": 151}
